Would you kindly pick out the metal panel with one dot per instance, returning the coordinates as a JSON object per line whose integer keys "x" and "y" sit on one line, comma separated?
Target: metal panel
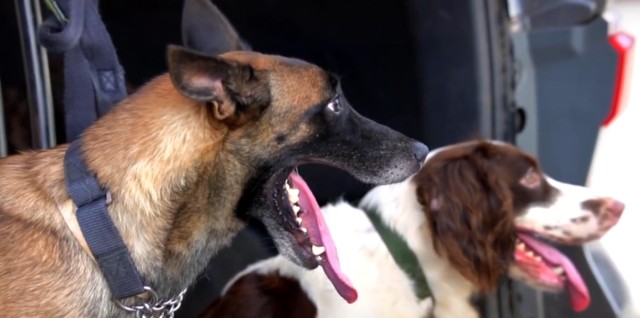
{"x": 3, "y": 127}
{"x": 36, "y": 74}
{"x": 565, "y": 88}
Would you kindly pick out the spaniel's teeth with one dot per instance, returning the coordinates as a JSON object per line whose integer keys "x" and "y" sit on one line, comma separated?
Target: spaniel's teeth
{"x": 558, "y": 270}
{"x": 304, "y": 230}
{"x": 299, "y": 220}
{"x": 317, "y": 250}
{"x": 318, "y": 258}
{"x": 296, "y": 208}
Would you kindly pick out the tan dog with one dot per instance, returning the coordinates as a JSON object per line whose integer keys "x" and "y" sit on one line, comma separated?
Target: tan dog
{"x": 188, "y": 159}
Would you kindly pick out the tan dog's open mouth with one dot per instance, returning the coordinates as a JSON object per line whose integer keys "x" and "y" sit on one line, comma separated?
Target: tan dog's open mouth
{"x": 312, "y": 234}
{"x": 545, "y": 266}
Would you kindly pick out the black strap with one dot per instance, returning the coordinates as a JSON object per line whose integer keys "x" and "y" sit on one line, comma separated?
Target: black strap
{"x": 402, "y": 254}
{"x": 94, "y": 82}
{"x": 94, "y": 79}
{"x": 98, "y": 229}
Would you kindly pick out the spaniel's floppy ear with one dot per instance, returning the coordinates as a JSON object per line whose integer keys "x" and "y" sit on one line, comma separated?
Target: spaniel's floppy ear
{"x": 470, "y": 214}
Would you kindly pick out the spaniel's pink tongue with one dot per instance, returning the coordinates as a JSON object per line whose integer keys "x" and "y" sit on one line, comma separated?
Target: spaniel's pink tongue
{"x": 577, "y": 289}
{"x": 318, "y": 232}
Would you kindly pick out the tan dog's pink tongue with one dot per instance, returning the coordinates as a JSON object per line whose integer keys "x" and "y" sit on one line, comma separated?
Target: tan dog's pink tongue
{"x": 319, "y": 234}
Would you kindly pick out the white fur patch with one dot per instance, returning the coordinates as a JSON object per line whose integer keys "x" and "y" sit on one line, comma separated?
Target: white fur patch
{"x": 556, "y": 220}
{"x": 383, "y": 289}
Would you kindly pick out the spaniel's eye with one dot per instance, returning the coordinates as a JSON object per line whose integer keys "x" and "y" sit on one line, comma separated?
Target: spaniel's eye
{"x": 334, "y": 105}
{"x": 531, "y": 179}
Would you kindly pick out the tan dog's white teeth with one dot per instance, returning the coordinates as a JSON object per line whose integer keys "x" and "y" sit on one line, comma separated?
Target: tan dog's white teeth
{"x": 293, "y": 195}
{"x": 529, "y": 253}
{"x": 317, "y": 250}
{"x": 299, "y": 220}
{"x": 304, "y": 230}
{"x": 558, "y": 270}
{"x": 520, "y": 246}
{"x": 537, "y": 258}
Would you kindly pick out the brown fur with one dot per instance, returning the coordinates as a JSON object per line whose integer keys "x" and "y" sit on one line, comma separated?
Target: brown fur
{"x": 477, "y": 209}
{"x": 182, "y": 139}
{"x": 147, "y": 194}
{"x": 266, "y": 296}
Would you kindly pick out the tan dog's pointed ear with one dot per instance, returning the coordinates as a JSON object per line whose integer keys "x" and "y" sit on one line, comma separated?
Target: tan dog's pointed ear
{"x": 197, "y": 76}
{"x": 233, "y": 89}
{"x": 206, "y": 29}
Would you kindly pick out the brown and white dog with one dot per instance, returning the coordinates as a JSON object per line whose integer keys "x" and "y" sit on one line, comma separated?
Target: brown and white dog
{"x": 188, "y": 159}
{"x": 475, "y": 212}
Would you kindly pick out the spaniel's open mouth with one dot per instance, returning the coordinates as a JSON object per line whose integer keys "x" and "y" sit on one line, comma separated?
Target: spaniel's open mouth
{"x": 302, "y": 218}
{"x": 546, "y": 266}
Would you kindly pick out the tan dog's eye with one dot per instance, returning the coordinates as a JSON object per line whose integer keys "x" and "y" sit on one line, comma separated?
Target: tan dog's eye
{"x": 334, "y": 105}
{"x": 531, "y": 179}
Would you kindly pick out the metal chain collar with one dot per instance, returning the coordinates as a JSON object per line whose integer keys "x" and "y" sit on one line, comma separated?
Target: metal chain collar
{"x": 155, "y": 307}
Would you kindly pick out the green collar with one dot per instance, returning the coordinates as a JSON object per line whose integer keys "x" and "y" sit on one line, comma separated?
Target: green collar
{"x": 402, "y": 254}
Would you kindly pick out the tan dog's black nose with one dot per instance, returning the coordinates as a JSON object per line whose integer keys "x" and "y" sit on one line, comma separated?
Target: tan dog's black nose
{"x": 420, "y": 151}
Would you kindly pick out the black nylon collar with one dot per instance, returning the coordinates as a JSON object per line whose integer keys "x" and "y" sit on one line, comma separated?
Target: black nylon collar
{"x": 101, "y": 234}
